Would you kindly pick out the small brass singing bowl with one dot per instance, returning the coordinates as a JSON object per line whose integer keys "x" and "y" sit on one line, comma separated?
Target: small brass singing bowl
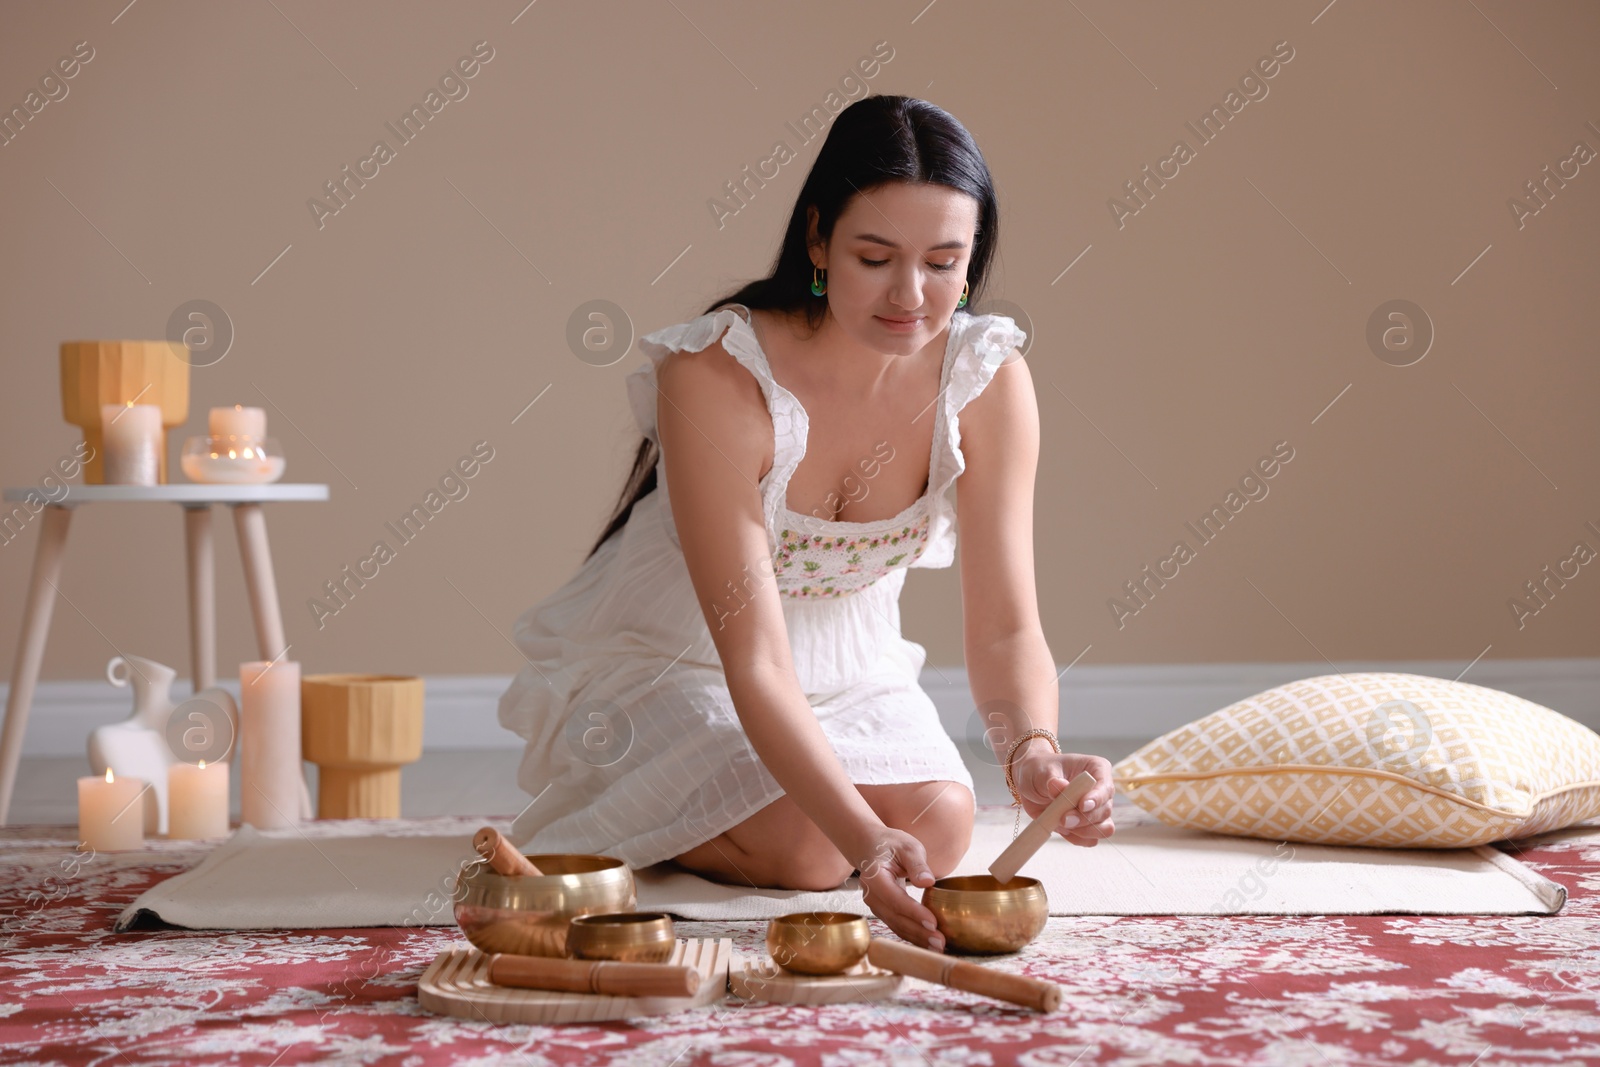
{"x": 629, "y": 936}
{"x": 979, "y": 914}
{"x": 527, "y": 915}
{"x": 818, "y": 942}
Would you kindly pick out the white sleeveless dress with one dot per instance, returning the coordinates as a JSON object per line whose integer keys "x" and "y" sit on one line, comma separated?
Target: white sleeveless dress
{"x": 634, "y": 749}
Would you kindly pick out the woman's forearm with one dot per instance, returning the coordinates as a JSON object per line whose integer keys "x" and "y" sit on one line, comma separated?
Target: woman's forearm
{"x": 1013, "y": 683}
{"x": 784, "y": 731}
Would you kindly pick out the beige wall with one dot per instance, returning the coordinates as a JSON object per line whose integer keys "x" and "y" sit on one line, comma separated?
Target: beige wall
{"x": 1225, "y": 316}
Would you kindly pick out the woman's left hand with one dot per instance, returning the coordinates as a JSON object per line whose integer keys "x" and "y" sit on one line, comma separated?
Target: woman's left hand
{"x": 1039, "y": 776}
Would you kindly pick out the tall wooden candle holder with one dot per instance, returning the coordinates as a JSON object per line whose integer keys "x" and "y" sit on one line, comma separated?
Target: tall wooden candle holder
{"x": 360, "y": 729}
{"x": 121, "y": 372}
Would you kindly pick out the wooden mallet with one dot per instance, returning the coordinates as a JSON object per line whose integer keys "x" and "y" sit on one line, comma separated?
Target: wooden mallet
{"x": 502, "y": 855}
{"x": 1037, "y": 832}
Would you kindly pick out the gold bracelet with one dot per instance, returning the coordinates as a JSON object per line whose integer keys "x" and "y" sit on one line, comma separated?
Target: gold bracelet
{"x": 1011, "y": 754}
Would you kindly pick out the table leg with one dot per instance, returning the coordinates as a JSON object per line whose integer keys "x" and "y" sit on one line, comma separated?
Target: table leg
{"x": 251, "y": 525}
{"x": 257, "y": 557}
{"x": 36, "y": 612}
{"x": 197, "y": 529}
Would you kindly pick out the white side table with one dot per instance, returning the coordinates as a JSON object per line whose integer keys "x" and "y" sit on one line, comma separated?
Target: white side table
{"x": 196, "y": 501}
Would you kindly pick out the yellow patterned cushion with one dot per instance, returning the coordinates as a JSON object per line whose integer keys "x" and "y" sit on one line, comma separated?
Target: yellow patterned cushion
{"x": 1381, "y": 759}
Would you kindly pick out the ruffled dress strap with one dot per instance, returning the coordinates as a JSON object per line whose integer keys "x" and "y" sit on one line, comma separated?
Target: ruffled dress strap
{"x": 983, "y": 345}
{"x": 789, "y": 421}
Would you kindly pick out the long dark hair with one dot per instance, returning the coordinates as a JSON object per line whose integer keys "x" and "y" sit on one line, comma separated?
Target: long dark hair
{"x": 876, "y": 140}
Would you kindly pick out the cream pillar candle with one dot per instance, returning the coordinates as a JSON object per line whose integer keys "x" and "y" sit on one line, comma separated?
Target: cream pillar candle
{"x": 197, "y": 801}
{"x": 132, "y": 436}
{"x": 238, "y": 421}
{"x": 111, "y": 812}
{"x": 270, "y": 776}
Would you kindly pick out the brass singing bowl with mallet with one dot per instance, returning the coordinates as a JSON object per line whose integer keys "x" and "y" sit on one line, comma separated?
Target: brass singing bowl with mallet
{"x": 977, "y": 913}
{"x": 818, "y": 942}
{"x": 1002, "y": 911}
{"x": 627, "y": 936}
{"x": 529, "y": 915}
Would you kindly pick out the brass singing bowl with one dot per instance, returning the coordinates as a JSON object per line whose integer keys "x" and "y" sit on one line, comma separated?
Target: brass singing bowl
{"x": 977, "y": 913}
{"x": 528, "y": 915}
{"x": 629, "y": 936}
{"x": 817, "y": 942}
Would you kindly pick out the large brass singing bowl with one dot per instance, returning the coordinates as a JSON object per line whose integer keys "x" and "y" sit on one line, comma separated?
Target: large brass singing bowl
{"x": 628, "y": 936}
{"x": 818, "y": 942}
{"x": 527, "y": 915}
{"x": 976, "y": 915}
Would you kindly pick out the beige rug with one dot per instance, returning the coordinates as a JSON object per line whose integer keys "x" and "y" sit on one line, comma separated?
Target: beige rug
{"x": 1148, "y": 868}
{"x": 328, "y": 875}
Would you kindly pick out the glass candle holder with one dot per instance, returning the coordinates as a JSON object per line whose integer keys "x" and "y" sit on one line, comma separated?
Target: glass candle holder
{"x": 232, "y": 459}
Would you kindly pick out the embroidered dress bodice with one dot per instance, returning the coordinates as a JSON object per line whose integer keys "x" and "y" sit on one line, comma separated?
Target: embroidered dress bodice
{"x": 816, "y": 558}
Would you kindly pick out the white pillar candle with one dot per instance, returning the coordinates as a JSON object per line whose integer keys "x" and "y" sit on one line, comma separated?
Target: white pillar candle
{"x": 238, "y": 421}
{"x": 132, "y": 437}
{"x": 197, "y": 801}
{"x": 111, "y": 812}
{"x": 270, "y": 775}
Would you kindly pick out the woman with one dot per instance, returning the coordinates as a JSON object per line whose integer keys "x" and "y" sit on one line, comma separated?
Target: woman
{"x": 724, "y": 682}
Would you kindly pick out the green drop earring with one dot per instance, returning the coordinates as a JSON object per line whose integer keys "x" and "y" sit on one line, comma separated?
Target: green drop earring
{"x": 963, "y": 301}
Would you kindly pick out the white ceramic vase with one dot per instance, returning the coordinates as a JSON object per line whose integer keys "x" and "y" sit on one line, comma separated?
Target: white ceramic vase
{"x": 148, "y": 742}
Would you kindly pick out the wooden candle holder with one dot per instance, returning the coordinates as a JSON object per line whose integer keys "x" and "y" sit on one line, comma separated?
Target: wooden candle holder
{"x": 360, "y": 729}
{"x": 117, "y": 372}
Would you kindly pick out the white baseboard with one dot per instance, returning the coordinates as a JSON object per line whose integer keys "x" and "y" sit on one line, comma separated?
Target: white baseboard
{"x": 1134, "y": 701}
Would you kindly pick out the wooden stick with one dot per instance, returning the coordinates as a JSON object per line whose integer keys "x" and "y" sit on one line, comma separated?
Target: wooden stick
{"x": 502, "y": 854}
{"x": 610, "y": 977}
{"x": 930, "y": 966}
{"x": 1037, "y": 832}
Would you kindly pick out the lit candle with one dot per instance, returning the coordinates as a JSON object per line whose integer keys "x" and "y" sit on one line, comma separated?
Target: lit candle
{"x": 197, "y": 800}
{"x": 111, "y": 812}
{"x": 238, "y": 421}
{"x": 231, "y": 460}
{"x": 270, "y": 776}
{"x": 132, "y": 436}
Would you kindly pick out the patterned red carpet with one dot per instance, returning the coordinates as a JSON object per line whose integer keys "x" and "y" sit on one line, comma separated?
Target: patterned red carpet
{"x": 1390, "y": 989}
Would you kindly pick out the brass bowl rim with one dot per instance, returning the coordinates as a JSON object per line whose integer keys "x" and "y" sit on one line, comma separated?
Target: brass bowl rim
{"x": 479, "y": 872}
{"x": 828, "y": 918}
{"x": 1019, "y": 883}
{"x": 599, "y": 920}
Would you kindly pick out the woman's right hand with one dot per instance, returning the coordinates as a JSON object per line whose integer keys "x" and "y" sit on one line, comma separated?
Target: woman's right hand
{"x": 889, "y": 856}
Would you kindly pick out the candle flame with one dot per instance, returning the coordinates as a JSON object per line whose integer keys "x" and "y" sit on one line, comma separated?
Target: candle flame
{"x": 202, "y": 765}
{"x": 109, "y": 779}
{"x": 130, "y": 403}
{"x": 232, "y": 454}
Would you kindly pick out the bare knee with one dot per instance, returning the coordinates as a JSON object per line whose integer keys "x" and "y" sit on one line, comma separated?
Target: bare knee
{"x": 952, "y": 816}
{"x": 777, "y": 848}
{"x": 939, "y": 814}
{"x": 816, "y": 865}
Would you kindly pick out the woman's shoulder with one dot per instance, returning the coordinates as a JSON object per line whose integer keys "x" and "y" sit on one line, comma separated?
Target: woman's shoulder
{"x": 693, "y": 334}
{"x": 984, "y": 344}
{"x": 718, "y": 342}
{"x": 709, "y": 356}
{"x": 992, "y": 337}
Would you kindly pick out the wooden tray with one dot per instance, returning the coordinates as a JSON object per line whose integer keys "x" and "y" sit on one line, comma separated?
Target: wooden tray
{"x": 457, "y": 983}
{"x": 764, "y": 980}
